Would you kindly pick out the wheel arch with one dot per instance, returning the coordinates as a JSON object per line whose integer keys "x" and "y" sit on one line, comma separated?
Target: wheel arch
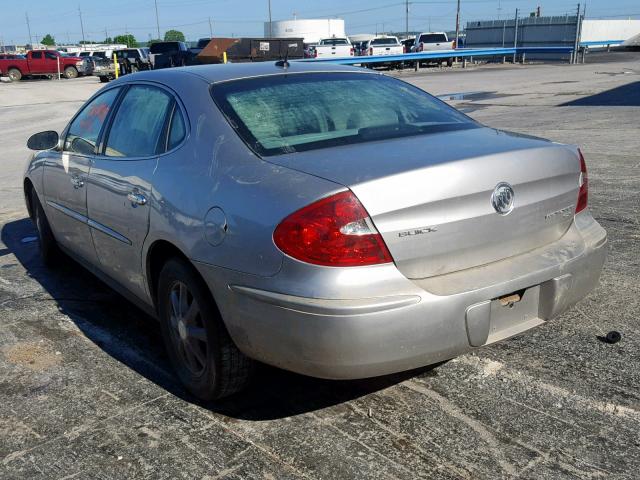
{"x": 157, "y": 254}
{"x": 28, "y": 188}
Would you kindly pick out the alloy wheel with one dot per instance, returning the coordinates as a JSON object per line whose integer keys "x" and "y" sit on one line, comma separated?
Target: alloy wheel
{"x": 188, "y": 333}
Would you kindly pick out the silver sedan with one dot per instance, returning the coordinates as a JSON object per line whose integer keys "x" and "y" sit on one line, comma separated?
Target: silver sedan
{"x": 267, "y": 212}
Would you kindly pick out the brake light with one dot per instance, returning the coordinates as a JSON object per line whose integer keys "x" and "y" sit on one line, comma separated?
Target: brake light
{"x": 421, "y": 47}
{"x": 351, "y": 52}
{"x": 335, "y": 231}
{"x": 370, "y": 50}
{"x": 583, "y": 194}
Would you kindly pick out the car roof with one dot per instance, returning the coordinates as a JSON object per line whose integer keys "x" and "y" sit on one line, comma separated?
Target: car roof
{"x": 234, "y": 71}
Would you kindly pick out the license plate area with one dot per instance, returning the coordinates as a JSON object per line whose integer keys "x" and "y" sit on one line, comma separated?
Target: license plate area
{"x": 510, "y": 316}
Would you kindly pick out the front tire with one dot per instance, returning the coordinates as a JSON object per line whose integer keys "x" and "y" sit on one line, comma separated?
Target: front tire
{"x": 200, "y": 349}
{"x": 49, "y": 252}
{"x": 70, "y": 72}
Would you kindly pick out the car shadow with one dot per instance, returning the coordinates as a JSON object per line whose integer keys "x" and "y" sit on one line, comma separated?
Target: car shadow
{"x": 623, "y": 96}
{"x": 133, "y": 338}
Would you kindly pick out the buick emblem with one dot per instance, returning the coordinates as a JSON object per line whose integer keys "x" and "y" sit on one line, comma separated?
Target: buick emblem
{"x": 502, "y": 198}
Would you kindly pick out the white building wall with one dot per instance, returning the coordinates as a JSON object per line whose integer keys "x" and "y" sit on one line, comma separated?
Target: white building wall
{"x": 311, "y": 30}
{"x": 604, "y": 32}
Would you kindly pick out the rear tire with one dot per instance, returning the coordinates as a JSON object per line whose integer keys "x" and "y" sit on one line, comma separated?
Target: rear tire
{"x": 201, "y": 351}
{"x": 15, "y": 75}
{"x": 49, "y": 251}
{"x": 449, "y": 62}
{"x": 70, "y": 72}
{"x": 104, "y": 79}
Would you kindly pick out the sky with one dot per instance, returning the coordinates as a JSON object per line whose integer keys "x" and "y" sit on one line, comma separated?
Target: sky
{"x": 61, "y": 18}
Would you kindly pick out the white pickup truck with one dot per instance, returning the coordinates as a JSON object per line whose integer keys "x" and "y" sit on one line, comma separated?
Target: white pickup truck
{"x": 334, "y": 47}
{"x": 433, "y": 41}
{"x": 384, "y": 46}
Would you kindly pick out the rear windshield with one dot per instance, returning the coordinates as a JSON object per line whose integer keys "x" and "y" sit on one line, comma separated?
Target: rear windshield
{"x": 334, "y": 41}
{"x": 164, "y": 47}
{"x": 433, "y": 38}
{"x": 384, "y": 41}
{"x": 290, "y": 113}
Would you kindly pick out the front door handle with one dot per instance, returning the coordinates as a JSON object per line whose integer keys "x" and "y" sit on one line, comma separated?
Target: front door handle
{"x": 76, "y": 181}
{"x": 137, "y": 199}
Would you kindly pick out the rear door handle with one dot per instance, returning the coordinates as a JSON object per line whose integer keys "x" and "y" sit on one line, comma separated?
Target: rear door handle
{"x": 137, "y": 199}
{"x": 76, "y": 181}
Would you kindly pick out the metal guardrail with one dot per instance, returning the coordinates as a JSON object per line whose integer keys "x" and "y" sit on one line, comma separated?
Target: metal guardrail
{"x": 443, "y": 54}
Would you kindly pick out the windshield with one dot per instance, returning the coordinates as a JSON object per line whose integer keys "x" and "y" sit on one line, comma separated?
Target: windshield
{"x": 384, "y": 41}
{"x": 433, "y": 38}
{"x": 282, "y": 114}
{"x": 334, "y": 41}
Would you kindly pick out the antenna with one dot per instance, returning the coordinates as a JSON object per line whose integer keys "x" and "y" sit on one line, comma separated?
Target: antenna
{"x": 284, "y": 63}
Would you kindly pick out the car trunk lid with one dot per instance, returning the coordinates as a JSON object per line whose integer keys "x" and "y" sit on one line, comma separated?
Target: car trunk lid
{"x": 430, "y": 196}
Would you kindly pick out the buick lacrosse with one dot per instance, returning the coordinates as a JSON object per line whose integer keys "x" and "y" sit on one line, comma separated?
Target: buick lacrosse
{"x": 266, "y": 212}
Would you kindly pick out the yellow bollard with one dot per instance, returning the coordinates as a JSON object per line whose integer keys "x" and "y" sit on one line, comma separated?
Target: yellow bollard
{"x": 224, "y": 57}
{"x": 116, "y": 65}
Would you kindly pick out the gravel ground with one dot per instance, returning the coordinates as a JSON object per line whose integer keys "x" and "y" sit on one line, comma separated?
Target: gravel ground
{"x": 86, "y": 390}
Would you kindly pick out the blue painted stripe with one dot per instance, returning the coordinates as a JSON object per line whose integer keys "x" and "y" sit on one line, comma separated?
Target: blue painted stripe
{"x": 601, "y": 42}
{"x": 443, "y": 54}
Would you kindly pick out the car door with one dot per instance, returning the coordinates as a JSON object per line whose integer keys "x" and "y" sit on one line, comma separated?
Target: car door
{"x": 37, "y": 62}
{"x": 119, "y": 193}
{"x": 65, "y": 175}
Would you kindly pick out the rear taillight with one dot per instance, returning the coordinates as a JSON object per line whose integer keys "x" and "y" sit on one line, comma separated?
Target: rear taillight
{"x": 370, "y": 50}
{"x": 583, "y": 194}
{"x": 335, "y": 231}
{"x": 352, "y": 52}
{"x": 421, "y": 47}
{"x": 315, "y": 54}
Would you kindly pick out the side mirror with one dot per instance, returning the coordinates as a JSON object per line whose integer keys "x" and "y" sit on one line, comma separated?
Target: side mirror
{"x": 43, "y": 140}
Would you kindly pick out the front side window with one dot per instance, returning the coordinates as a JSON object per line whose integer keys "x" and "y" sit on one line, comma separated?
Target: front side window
{"x": 36, "y": 55}
{"x": 138, "y": 124}
{"x": 281, "y": 114}
{"x": 84, "y": 131}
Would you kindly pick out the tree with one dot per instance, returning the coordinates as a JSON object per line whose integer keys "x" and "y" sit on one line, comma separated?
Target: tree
{"x": 48, "y": 40}
{"x": 174, "y": 36}
{"x": 128, "y": 39}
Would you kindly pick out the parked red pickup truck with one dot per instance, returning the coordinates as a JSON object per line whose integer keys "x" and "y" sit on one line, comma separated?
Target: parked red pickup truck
{"x": 41, "y": 62}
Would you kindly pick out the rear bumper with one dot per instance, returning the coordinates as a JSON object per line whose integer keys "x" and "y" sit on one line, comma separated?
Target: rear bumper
{"x": 377, "y": 322}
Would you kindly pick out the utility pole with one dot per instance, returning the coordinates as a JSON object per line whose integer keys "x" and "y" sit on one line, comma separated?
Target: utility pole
{"x": 458, "y": 24}
{"x": 576, "y": 44}
{"x": 210, "y": 29}
{"x": 515, "y": 36}
{"x": 81, "y": 24}
{"x": 406, "y": 18}
{"x": 157, "y": 21}
{"x": 270, "y": 27}
{"x": 28, "y": 28}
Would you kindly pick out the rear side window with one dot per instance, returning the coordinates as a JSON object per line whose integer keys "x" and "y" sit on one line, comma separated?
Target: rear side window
{"x": 177, "y": 131}
{"x": 137, "y": 125}
{"x": 83, "y": 132}
{"x": 433, "y": 38}
{"x": 296, "y": 112}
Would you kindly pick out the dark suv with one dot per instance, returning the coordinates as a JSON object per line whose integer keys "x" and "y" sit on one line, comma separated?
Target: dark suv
{"x": 169, "y": 54}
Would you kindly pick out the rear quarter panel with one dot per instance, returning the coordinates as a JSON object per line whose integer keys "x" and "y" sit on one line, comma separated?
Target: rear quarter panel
{"x": 214, "y": 168}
